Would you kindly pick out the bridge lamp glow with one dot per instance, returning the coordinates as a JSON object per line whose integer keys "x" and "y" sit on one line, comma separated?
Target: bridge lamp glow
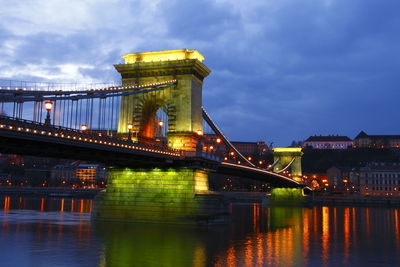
{"x": 48, "y": 105}
{"x": 161, "y": 123}
{"x": 130, "y": 127}
{"x": 84, "y": 127}
{"x": 218, "y": 140}
{"x": 199, "y": 132}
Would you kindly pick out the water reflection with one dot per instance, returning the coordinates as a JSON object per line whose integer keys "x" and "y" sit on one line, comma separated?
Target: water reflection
{"x": 54, "y": 231}
{"x": 46, "y": 204}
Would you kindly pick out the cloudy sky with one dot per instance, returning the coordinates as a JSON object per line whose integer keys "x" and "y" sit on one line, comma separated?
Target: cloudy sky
{"x": 281, "y": 69}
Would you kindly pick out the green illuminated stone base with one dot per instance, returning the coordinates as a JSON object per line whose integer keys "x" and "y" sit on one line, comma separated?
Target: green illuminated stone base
{"x": 287, "y": 196}
{"x": 162, "y": 196}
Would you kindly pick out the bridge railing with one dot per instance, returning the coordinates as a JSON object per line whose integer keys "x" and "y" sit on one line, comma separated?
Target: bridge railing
{"x": 200, "y": 154}
{"x": 51, "y": 86}
{"x": 33, "y": 127}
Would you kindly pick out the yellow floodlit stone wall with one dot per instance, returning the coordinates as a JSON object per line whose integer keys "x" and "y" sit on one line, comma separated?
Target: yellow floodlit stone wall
{"x": 285, "y": 156}
{"x": 166, "y": 55}
{"x": 182, "y": 102}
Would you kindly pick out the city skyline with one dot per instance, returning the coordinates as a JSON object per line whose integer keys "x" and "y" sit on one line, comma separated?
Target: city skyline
{"x": 285, "y": 71}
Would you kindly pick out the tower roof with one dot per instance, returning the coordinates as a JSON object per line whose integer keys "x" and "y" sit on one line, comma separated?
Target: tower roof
{"x": 164, "y": 55}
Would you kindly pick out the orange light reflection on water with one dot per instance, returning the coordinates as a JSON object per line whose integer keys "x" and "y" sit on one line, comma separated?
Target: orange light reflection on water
{"x": 346, "y": 234}
{"x": 6, "y": 205}
{"x": 72, "y": 205}
{"x": 231, "y": 257}
{"x": 354, "y": 224}
{"x": 62, "y": 205}
{"x": 248, "y": 253}
{"x": 396, "y": 228}
{"x": 260, "y": 250}
{"x": 306, "y": 235}
{"x": 42, "y": 201}
{"x": 367, "y": 223}
{"x": 325, "y": 235}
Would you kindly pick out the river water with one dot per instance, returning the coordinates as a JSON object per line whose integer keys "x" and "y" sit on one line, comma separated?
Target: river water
{"x": 59, "y": 232}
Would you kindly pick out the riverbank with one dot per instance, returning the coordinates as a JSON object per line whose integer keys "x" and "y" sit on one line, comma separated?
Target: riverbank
{"x": 231, "y": 197}
{"x": 353, "y": 200}
{"x": 50, "y": 191}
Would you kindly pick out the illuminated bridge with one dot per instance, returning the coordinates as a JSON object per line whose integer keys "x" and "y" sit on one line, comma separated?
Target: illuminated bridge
{"x": 150, "y": 129}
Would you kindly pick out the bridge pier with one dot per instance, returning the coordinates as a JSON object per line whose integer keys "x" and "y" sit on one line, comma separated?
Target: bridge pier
{"x": 160, "y": 195}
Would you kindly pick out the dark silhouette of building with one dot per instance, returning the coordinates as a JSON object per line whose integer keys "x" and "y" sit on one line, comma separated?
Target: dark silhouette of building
{"x": 364, "y": 140}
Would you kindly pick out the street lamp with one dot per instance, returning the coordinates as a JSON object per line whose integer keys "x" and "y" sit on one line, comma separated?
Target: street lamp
{"x": 161, "y": 123}
{"x": 48, "y": 105}
{"x": 199, "y": 132}
{"x": 130, "y": 127}
{"x": 84, "y": 127}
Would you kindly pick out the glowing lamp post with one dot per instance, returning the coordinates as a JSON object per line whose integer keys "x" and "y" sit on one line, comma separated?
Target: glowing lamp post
{"x": 84, "y": 127}
{"x": 161, "y": 123}
{"x": 199, "y": 132}
{"x": 48, "y": 105}
{"x": 130, "y": 127}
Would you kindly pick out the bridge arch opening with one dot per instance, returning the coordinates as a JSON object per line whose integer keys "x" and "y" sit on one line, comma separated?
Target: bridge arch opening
{"x": 155, "y": 122}
{"x": 161, "y": 123}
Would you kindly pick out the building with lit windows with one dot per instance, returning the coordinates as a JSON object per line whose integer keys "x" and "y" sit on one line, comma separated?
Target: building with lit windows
{"x": 78, "y": 173}
{"x": 376, "y": 141}
{"x": 344, "y": 179}
{"x": 327, "y": 142}
{"x": 63, "y": 174}
{"x": 316, "y": 181}
{"x": 380, "y": 179}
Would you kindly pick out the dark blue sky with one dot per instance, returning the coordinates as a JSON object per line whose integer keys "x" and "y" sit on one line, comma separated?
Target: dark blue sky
{"x": 281, "y": 70}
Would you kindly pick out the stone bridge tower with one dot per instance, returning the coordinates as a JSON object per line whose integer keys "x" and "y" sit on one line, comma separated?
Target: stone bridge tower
{"x": 182, "y": 103}
{"x": 283, "y": 156}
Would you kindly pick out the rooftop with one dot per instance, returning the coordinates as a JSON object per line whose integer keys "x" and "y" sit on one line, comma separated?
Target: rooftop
{"x": 327, "y": 138}
{"x": 165, "y": 55}
{"x": 362, "y": 134}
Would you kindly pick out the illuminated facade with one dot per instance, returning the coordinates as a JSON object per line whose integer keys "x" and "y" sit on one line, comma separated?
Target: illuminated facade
{"x": 182, "y": 103}
{"x": 78, "y": 172}
{"x": 328, "y": 142}
{"x": 380, "y": 179}
{"x": 344, "y": 179}
{"x": 283, "y": 156}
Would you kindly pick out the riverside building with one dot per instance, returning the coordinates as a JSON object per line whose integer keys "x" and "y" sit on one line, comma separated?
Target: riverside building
{"x": 380, "y": 179}
{"x": 327, "y": 142}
